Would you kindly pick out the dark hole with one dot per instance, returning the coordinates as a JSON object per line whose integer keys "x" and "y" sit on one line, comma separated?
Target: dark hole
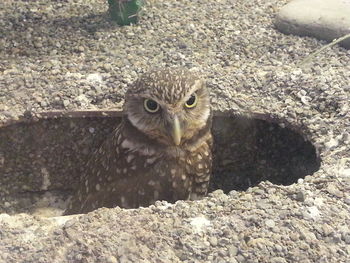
{"x": 40, "y": 161}
{"x": 248, "y": 151}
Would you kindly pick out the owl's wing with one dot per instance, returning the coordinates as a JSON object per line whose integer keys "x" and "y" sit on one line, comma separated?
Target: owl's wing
{"x": 104, "y": 166}
{"x": 201, "y": 169}
{"x": 118, "y": 175}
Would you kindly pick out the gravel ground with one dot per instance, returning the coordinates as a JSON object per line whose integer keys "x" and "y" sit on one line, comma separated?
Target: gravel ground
{"x": 65, "y": 55}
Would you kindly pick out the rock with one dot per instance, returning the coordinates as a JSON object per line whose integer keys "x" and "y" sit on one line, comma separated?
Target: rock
{"x": 347, "y": 201}
{"x": 232, "y": 251}
{"x": 43, "y": 104}
{"x": 213, "y": 241}
{"x": 300, "y": 196}
{"x": 38, "y": 44}
{"x": 332, "y": 189}
{"x": 111, "y": 259}
{"x": 278, "y": 260}
{"x": 270, "y": 223}
{"x": 66, "y": 103}
{"x": 323, "y": 19}
{"x": 311, "y": 213}
{"x": 327, "y": 230}
{"x": 346, "y": 238}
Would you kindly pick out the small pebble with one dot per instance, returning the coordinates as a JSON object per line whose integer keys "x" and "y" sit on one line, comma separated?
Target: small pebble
{"x": 213, "y": 241}
{"x": 270, "y": 223}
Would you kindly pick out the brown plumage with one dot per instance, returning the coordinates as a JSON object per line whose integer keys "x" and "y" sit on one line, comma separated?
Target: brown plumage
{"x": 160, "y": 151}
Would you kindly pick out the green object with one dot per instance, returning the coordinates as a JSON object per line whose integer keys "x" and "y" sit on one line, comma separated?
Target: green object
{"x": 125, "y": 12}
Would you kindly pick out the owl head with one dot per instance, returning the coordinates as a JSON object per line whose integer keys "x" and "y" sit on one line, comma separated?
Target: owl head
{"x": 170, "y": 106}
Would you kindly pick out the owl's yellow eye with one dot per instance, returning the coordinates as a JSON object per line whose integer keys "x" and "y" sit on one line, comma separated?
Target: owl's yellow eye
{"x": 151, "y": 106}
{"x": 192, "y": 101}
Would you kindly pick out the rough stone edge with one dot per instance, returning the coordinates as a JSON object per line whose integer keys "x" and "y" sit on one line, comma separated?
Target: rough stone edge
{"x": 328, "y": 32}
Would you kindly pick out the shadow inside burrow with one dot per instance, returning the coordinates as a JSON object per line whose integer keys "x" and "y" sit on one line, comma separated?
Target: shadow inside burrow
{"x": 40, "y": 161}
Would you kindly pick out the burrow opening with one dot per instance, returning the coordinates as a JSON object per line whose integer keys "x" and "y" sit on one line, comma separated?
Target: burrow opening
{"x": 41, "y": 160}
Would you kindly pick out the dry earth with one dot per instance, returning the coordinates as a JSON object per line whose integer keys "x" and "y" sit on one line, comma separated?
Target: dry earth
{"x": 65, "y": 55}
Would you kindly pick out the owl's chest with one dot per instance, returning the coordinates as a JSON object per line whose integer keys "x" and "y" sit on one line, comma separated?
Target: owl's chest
{"x": 183, "y": 165}
{"x": 168, "y": 174}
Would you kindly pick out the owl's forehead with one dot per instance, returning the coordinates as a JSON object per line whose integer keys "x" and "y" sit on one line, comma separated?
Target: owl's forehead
{"x": 169, "y": 86}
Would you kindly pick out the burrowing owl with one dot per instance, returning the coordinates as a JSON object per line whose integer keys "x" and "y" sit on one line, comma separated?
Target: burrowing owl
{"x": 160, "y": 151}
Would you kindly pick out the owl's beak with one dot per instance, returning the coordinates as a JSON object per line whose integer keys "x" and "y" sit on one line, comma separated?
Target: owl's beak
{"x": 176, "y": 131}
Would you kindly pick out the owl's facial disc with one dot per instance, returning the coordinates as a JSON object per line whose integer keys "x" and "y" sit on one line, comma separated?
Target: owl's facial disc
{"x": 169, "y": 108}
